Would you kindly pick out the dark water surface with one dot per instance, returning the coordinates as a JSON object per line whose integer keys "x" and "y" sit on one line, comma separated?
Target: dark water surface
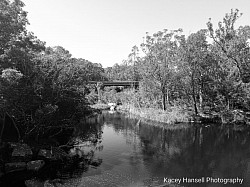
{"x": 135, "y": 153}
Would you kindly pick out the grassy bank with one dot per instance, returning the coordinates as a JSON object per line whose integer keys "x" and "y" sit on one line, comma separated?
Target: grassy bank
{"x": 171, "y": 115}
{"x": 100, "y": 106}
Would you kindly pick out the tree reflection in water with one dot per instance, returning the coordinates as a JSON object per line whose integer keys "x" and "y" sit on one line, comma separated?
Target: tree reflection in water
{"x": 195, "y": 151}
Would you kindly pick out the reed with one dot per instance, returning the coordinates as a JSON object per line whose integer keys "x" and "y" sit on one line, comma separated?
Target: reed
{"x": 172, "y": 115}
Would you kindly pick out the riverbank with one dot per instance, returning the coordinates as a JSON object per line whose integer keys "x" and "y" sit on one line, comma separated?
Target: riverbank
{"x": 171, "y": 116}
{"x": 51, "y": 158}
{"x": 100, "y": 106}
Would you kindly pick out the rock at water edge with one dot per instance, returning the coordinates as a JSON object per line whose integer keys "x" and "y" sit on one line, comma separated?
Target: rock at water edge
{"x": 21, "y": 152}
{"x": 15, "y": 166}
{"x": 35, "y": 165}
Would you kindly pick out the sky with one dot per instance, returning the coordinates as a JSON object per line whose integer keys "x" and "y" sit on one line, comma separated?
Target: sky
{"x": 104, "y": 31}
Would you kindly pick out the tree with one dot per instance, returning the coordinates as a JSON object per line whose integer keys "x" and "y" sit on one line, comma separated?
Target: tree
{"x": 194, "y": 52}
{"x": 47, "y": 85}
{"x": 13, "y": 22}
{"x": 123, "y": 72}
{"x": 231, "y": 49}
{"x": 159, "y": 63}
{"x": 133, "y": 61}
{"x": 17, "y": 46}
{"x": 233, "y": 43}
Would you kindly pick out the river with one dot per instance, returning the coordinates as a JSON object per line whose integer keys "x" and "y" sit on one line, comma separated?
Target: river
{"x": 139, "y": 153}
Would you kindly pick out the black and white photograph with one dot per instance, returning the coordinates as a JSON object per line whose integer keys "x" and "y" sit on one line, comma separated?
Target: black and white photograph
{"x": 124, "y": 93}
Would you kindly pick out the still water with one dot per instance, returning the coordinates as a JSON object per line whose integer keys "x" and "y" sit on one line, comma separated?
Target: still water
{"x": 137, "y": 153}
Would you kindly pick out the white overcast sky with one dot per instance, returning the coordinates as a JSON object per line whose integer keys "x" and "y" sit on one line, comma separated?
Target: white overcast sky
{"x": 104, "y": 31}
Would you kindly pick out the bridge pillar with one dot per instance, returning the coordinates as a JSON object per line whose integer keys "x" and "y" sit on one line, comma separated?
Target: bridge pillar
{"x": 99, "y": 86}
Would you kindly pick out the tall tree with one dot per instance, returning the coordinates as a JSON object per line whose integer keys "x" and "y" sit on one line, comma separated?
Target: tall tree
{"x": 160, "y": 61}
{"x": 231, "y": 48}
{"x": 133, "y": 61}
{"x": 233, "y": 43}
{"x": 194, "y": 52}
{"x": 13, "y": 22}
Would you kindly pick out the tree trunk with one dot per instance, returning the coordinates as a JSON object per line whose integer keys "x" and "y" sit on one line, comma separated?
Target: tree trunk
{"x": 3, "y": 121}
{"x": 167, "y": 96}
{"x": 98, "y": 85}
{"x": 195, "y": 104}
{"x": 201, "y": 99}
{"x": 201, "y": 93}
{"x": 163, "y": 101}
{"x": 99, "y": 95}
{"x": 193, "y": 95}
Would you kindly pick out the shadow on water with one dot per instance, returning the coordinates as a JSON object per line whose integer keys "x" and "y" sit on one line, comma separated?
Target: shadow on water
{"x": 120, "y": 150}
{"x": 65, "y": 159}
{"x": 208, "y": 150}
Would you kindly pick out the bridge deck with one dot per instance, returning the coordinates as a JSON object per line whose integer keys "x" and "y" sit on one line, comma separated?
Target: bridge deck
{"x": 117, "y": 83}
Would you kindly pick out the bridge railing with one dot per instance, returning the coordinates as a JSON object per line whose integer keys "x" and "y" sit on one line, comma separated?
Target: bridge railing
{"x": 116, "y": 83}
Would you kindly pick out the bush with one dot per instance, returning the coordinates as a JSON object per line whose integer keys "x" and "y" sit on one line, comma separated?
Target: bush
{"x": 39, "y": 100}
{"x": 11, "y": 75}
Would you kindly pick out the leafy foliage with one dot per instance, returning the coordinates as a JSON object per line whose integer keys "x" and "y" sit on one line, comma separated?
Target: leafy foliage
{"x": 42, "y": 88}
{"x": 192, "y": 71}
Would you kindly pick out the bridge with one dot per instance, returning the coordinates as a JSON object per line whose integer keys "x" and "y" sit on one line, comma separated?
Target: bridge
{"x": 117, "y": 83}
{"x": 101, "y": 84}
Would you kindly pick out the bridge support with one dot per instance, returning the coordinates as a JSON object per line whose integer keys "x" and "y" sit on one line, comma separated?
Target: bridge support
{"x": 99, "y": 86}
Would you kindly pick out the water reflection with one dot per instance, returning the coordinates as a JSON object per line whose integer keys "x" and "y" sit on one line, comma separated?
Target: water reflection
{"x": 135, "y": 153}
